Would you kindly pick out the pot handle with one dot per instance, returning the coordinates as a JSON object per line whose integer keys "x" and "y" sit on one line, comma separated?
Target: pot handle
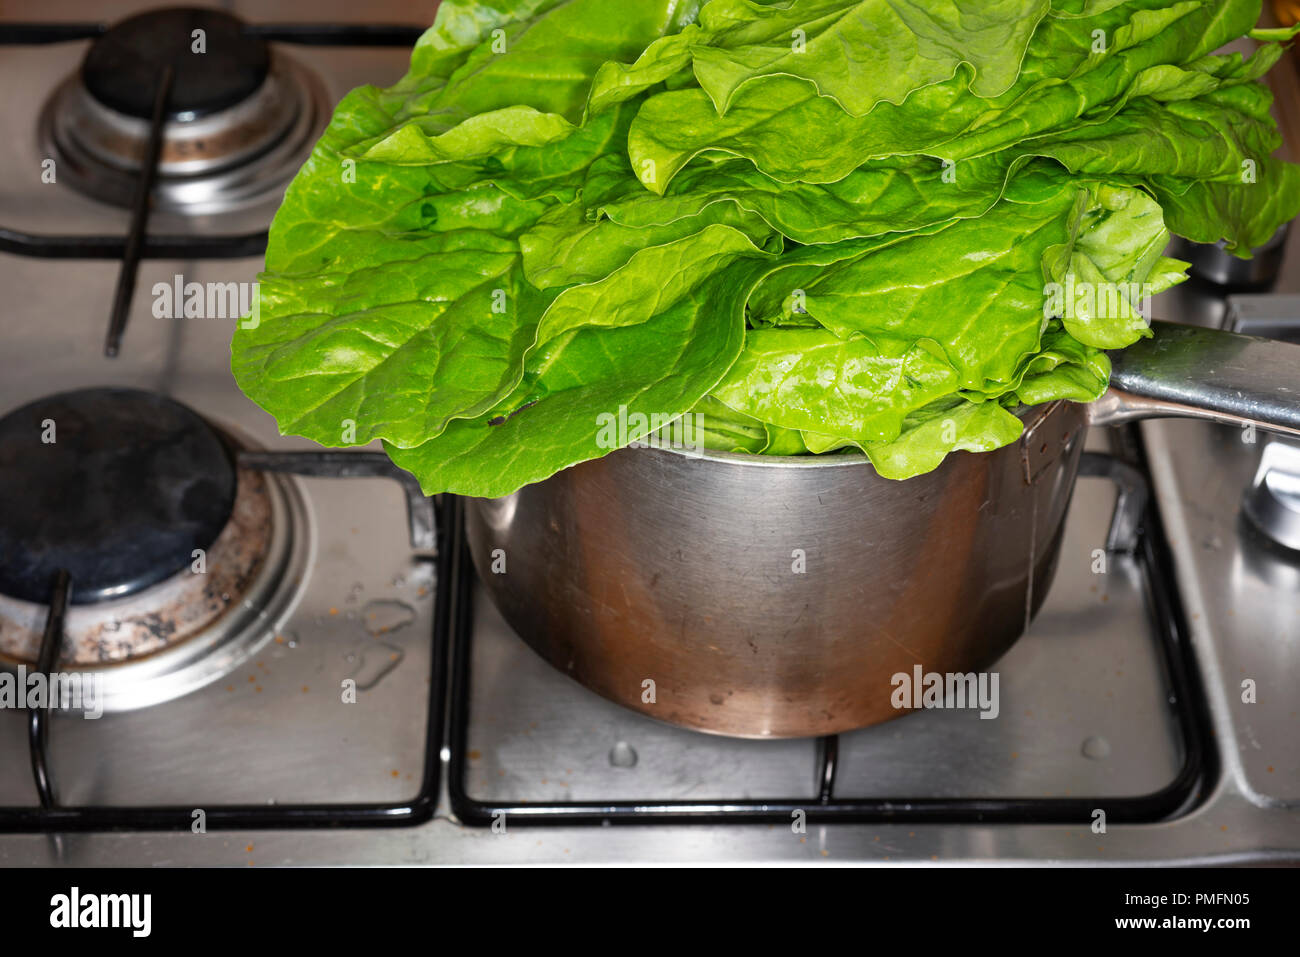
{"x": 1204, "y": 373}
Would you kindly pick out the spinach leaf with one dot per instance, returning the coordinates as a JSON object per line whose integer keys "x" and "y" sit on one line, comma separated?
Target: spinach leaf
{"x": 780, "y": 227}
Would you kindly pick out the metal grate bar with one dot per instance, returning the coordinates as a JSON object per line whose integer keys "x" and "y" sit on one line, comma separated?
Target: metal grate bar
{"x": 821, "y": 805}
{"x": 51, "y": 818}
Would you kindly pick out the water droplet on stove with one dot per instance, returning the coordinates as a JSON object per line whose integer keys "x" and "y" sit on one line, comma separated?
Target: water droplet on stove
{"x": 290, "y": 638}
{"x": 1096, "y": 747}
{"x": 385, "y": 616}
{"x": 398, "y": 581}
{"x": 622, "y": 755}
{"x": 354, "y": 593}
{"x": 350, "y": 657}
{"x": 225, "y": 597}
{"x": 374, "y": 660}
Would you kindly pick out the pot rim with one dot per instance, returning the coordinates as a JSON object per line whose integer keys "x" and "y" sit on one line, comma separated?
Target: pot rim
{"x": 824, "y": 459}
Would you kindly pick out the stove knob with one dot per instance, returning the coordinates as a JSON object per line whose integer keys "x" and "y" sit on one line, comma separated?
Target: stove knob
{"x": 1273, "y": 501}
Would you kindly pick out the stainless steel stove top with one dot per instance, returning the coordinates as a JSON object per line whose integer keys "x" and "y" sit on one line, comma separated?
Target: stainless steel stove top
{"x": 1086, "y": 706}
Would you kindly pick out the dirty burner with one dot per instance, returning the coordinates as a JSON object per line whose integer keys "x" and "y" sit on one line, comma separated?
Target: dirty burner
{"x": 180, "y": 562}
{"x": 240, "y": 117}
{"x": 122, "y": 66}
{"x": 119, "y": 487}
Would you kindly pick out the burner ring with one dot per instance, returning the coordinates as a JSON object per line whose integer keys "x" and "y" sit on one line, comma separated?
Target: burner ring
{"x": 223, "y": 160}
{"x": 190, "y": 148}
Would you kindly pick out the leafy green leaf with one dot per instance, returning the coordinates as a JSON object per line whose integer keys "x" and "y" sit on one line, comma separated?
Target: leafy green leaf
{"x": 930, "y": 434}
{"x": 597, "y": 387}
{"x": 1060, "y": 81}
{"x": 779, "y": 227}
{"x": 722, "y": 429}
{"x": 811, "y": 379}
{"x": 1243, "y": 215}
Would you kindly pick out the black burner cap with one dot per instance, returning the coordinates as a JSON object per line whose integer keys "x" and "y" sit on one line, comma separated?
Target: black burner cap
{"x": 132, "y": 483}
{"x": 121, "y": 70}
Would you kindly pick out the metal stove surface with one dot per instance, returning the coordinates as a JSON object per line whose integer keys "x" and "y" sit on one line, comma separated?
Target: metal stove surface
{"x": 1084, "y": 710}
{"x": 1085, "y": 705}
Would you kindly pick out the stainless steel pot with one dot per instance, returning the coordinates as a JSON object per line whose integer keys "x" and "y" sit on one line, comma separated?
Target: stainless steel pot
{"x": 777, "y": 597}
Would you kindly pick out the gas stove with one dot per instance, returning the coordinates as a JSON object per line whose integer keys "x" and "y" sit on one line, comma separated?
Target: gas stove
{"x": 288, "y": 659}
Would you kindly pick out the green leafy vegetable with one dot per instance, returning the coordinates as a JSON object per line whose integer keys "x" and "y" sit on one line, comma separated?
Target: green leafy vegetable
{"x": 781, "y": 227}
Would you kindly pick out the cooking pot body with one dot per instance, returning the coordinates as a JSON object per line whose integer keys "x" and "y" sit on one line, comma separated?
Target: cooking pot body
{"x": 761, "y": 597}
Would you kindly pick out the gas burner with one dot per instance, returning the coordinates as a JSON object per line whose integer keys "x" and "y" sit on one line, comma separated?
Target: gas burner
{"x": 240, "y": 119}
{"x": 117, "y": 486}
{"x": 181, "y": 563}
{"x": 122, "y": 66}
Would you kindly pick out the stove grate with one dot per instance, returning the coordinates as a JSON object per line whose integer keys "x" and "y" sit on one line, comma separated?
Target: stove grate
{"x": 432, "y": 536}
{"x": 1135, "y": 527}
{"x": 137, "y": 244}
